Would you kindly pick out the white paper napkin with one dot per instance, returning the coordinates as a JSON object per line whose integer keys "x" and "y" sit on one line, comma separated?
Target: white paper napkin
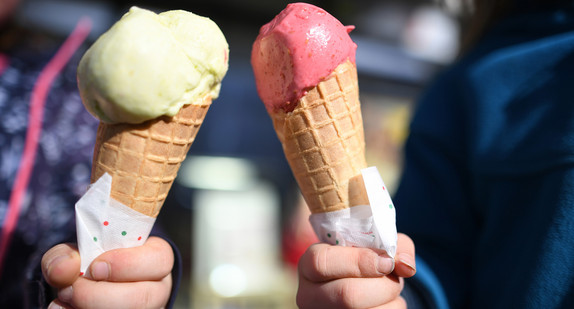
{"x": 103, "y": 224}
{"x": 371, "y": 226}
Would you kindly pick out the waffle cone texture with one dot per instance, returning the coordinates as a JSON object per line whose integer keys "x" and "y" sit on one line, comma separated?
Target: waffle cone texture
{"x": 143, "y": 159}
{"x": 323, "y": 141}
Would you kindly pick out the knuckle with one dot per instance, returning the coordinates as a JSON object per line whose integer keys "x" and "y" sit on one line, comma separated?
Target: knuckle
{"x": 82, "y": 298}
{"x": 396, "y": 288}
{"x": 164, "y": 255}
{"x": 367, "y": 260}
{"x": 301, "y": 299}
{"x": 155, "y": 295}
{"x": 312, "y": 265}
{"x": 145, "y": 299}
{"x": 306, "y": 296}
{"x": 348, "y": 294}
{"x": 319, "y": 262}
{"x": 167, "y": 260}
{"x": 401, "y": 303}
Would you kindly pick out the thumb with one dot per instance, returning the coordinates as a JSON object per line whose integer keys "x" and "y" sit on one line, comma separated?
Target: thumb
{"x": 150, "y": 262}
{"x": 61, "y": 265}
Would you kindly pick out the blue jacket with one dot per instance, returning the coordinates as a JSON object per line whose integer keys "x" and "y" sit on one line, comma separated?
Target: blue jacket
{"x": 488, "y": 187}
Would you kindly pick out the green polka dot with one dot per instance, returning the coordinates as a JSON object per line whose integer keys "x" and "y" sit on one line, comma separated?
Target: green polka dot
{"x": 391, "y": 206}
{"x": 95, "y": 239}
{"x": 336, "y": 242}
{"x": 124, "y": 233}
{"x": 329, "y": 235}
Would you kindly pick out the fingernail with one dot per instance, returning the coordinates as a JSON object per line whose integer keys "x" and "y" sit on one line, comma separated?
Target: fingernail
{"x": 385, "y": 264}
{"x": 53, "y": 305}
{"x": 66, "y": 294}
{"x": 407, "y": 260}
{"x": 99, "y": 271}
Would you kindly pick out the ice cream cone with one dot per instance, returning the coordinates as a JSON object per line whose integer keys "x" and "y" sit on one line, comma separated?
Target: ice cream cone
{"x": 143, "y": 159}
{"x": 324, "y": 143}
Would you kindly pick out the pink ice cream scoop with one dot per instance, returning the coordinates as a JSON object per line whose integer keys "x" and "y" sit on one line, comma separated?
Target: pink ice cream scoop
{"x": 295, "y": 51}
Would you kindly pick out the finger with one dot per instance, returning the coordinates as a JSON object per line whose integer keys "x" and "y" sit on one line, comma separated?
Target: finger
{"x": 89, "y": 294}
{"x": 405, "y": 265}
{"x": 397, "y": 303}
{"x": 349, "y": 293}
{"x": 323, "y": 262}
{"x": 57, "y": 304}
{"x": 61, "y": 265}
{"x": 149, "y": 262}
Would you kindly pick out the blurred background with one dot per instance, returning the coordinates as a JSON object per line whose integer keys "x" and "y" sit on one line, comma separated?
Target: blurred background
{"x": 235, "y": 211}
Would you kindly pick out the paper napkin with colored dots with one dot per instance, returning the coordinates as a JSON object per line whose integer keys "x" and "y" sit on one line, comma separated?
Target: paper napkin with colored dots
{"x": 371, "y": 226}
{"x": 103, "y": 224}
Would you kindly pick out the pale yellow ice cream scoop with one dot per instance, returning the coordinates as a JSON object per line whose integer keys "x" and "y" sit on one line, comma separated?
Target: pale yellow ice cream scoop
{"x": 148, "y": 65}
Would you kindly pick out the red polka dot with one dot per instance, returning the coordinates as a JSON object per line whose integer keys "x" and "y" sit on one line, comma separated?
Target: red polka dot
{"x": 384, "y": 188}
{"x": 140, "y": 238}
{"x": 81, "y": 273}
{"x": 106, "y": 223}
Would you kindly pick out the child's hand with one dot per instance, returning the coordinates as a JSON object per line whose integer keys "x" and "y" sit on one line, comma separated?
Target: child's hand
{"x": 346, "y": 277}
{"x": 138, "y": 277}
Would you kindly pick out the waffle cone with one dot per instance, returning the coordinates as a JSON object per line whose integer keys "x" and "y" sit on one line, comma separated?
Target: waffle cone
{"x": 324, "y": 142}
{"x": 143, "y": 159}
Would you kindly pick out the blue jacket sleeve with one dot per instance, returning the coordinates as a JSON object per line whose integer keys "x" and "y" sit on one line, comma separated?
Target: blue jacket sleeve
{"x": 424, "y": 290}
{"x": 176, "y": 271}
